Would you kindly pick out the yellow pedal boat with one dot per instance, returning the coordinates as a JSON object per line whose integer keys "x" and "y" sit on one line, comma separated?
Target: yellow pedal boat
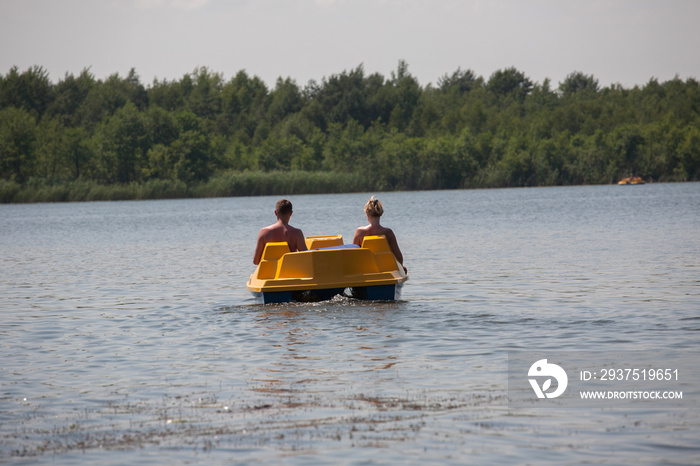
{"x": 631, "y": 180}
{"x": 327, "y": 269}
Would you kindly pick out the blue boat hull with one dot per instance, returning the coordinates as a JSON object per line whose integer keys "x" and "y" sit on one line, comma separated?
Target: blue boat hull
{"x": 371, "y": 293}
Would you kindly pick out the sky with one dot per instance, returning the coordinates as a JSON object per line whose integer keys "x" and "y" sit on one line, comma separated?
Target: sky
{"x": 625, "y": 42}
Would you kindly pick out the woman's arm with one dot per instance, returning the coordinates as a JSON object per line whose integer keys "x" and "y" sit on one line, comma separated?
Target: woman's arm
{"x": 358, "y": 237}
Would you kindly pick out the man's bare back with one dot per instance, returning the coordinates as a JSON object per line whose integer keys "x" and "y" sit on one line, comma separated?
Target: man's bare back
{"x": 280, "y": 231}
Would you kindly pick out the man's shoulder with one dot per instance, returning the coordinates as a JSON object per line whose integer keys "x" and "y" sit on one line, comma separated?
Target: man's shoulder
{"x": 270, "y": 230}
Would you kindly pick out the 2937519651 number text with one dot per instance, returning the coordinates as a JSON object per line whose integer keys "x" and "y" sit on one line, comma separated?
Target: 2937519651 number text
{"x": 636, "y": 374}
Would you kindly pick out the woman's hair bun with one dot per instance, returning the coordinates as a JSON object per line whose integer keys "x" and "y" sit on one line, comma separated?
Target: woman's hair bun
{"x": 374, "y": 208}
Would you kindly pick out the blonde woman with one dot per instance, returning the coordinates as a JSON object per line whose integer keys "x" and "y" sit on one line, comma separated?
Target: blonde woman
{"x": 374, "y": 211}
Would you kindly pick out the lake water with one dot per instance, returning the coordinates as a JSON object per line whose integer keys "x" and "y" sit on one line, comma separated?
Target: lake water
{"x": 128, "y": 336}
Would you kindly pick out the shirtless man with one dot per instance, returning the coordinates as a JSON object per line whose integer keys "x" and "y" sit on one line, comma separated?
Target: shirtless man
{"x": 374, "y": 211}
{"x": 281, "y": 231}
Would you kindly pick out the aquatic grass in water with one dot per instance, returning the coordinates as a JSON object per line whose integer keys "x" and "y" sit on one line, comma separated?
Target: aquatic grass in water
{"x": 291, "y": 421}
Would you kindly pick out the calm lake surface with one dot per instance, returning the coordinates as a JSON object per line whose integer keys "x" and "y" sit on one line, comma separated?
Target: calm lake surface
{"x": 128, "y": 336}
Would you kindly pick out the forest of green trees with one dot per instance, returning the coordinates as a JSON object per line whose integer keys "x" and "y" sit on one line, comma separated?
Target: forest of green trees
{"x": 84, "y": 138}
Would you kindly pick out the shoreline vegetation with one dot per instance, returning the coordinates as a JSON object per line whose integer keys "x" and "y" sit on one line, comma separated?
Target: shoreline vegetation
{"x": 88, "y": 139}
{"x": 224, "y": 185}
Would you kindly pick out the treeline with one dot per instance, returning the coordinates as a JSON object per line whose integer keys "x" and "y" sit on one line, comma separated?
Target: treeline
{"x": 84, "y": 138}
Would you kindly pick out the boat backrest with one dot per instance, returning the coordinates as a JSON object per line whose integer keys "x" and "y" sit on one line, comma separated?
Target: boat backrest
{"x": 318, "y": 242}
{"x": 270, "y": 256}
{"x": 382, "y": 252}
{"x": 273, "y": 251}
{"x": 376, "y": 244}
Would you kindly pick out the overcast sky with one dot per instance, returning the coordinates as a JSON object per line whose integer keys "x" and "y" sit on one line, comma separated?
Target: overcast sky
{"x": 617, "y": 41}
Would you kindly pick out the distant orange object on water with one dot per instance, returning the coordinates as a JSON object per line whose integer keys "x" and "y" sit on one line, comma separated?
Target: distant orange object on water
{"x": 631, "y": 180}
